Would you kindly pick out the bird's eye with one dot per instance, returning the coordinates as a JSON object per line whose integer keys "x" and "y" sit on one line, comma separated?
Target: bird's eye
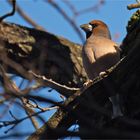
{"x": 93, "y": 25}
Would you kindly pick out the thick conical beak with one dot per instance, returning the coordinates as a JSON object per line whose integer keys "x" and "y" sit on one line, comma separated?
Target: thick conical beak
{"x": 86, "y": 27}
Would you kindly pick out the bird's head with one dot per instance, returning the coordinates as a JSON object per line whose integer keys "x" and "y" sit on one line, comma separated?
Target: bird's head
{"x": 96, "y": 27}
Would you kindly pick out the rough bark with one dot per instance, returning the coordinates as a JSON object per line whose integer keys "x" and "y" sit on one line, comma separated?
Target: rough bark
{"x": 47, "y": 54}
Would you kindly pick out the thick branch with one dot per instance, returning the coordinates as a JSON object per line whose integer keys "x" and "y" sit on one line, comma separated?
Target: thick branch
{"x": 46, "y": 54}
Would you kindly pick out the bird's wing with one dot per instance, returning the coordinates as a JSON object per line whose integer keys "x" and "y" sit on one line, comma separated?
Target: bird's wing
{"x": 88, "y": 53}
{"x": 103, "y": 46}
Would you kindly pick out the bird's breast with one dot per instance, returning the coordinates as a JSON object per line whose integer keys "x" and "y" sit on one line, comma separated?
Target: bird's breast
{"x": 98, "y": 55}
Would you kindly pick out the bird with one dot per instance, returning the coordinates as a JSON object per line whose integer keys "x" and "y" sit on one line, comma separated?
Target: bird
{"x": 99, "y": 53}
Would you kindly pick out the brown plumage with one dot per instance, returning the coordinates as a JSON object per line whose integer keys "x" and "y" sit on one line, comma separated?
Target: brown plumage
{"x": 99, "y": 54}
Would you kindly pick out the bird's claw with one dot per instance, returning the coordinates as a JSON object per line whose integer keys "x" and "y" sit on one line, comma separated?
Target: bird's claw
{"x": 103, "y": 74}
{"x": 87, "y": 83}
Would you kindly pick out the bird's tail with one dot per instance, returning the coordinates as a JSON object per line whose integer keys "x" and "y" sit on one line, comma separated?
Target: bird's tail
{"x": 115, "y": 100}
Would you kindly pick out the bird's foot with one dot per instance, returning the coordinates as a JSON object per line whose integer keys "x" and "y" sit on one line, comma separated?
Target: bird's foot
{"x": 103, "y": 74}
{"x": 87, "y": 83}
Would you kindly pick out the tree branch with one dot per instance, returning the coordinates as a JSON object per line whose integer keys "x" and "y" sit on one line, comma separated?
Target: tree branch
{"x": 45, "y": 54}
{"x": 13, "y": 2}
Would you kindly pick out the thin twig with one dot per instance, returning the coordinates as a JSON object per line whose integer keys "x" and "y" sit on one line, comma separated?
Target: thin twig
{"x": 19, "y": 68}
{"x": 85, "y": 10}
{"x": 36, "y": 106}
{"x": 13, "y": 3}
{"x": 71, "y": 6}
{"x": 26, "y": 17}
{"x": 9, "y": 86}
{"x": 94, "y": 8}
{"x": 29, "y": 111}
{"x": 16, "y": 121}
{"x": 66, "y": 91}
{"x": 2, "y": 114}
{"x": 67, "y": 18}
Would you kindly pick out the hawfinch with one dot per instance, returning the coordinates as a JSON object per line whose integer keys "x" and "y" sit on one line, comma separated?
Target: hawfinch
{"x": 99, "y": 53}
